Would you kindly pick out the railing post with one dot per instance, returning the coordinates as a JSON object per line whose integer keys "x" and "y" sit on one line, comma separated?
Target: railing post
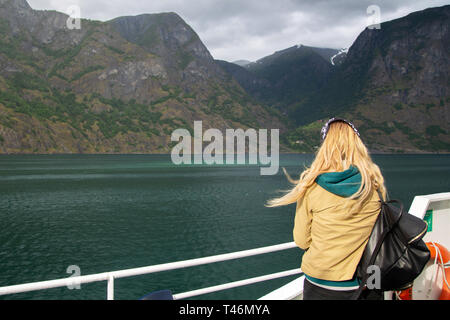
{"x": 110, "y": 289}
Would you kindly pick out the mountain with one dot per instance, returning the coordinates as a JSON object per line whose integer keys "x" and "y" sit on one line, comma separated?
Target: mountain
{"x": 251, "y": 82}
{"x": 120, "y": 86}
{"x": 287, "y": 76}
{"x": 124, "y": 85}
{"x": 393, "y": 82}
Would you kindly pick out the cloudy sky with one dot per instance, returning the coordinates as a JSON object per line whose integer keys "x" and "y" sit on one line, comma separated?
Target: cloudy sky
{"x": 252, "y": 29}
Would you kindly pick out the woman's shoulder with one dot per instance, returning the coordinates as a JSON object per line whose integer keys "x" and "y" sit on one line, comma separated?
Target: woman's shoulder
{"x": 316, "y": 191}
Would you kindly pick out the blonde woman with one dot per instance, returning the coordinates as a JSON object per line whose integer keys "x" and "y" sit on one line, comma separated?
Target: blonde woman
{"x": 337, "y": 205}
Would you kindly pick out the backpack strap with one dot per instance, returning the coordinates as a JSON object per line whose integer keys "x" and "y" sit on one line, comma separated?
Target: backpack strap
{"x": 357, "y": 294}
{"x": 371, "y": 261}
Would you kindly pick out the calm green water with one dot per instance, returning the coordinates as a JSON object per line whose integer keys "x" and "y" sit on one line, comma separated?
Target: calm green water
{"x": 111, "y": 212}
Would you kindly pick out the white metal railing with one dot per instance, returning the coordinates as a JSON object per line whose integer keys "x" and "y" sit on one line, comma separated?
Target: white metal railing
{"x": 110, "y": 276}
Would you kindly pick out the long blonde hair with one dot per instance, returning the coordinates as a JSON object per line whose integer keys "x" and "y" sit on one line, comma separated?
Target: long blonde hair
{"x": 341, "y": 148}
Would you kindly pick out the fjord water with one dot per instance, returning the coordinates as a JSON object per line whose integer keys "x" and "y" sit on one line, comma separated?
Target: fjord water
{"x": 111, "y": 212}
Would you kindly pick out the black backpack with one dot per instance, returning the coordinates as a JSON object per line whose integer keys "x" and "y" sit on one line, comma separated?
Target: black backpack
{"x": 396, "y": 247}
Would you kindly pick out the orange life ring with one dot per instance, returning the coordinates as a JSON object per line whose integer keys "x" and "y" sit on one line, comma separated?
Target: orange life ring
{"x": 407, "y": 294}
{"x": 445, "y": 294}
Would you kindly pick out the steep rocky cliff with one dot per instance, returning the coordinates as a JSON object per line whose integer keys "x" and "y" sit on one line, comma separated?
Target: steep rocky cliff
{"x": 395, "y": 84}
{"x": 118, "y": 86}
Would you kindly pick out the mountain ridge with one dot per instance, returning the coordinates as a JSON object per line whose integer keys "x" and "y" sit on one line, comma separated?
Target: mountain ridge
{"x": 393, "y": 82}
{"x": 93, "y": 90}
{"x": 123, "y": 85}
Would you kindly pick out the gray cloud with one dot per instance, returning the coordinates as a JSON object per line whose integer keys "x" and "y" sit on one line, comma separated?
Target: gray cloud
{"x": 251, "y": 29}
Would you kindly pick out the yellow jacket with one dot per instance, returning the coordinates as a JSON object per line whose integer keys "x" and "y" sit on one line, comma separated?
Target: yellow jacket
{"x": 333, "y": 231}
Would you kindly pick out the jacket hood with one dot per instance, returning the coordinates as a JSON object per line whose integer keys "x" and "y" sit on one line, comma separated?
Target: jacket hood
{"x": 344, "y": 183}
